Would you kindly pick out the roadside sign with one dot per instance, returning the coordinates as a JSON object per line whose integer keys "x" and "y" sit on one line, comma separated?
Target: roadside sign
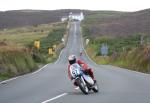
{"x": 87, "y": 41}
{"x": 37, "y": 44}
{"x": 50, "y": 51}
{"x": 104, "y": 50}
{"x": 62, "y": 40}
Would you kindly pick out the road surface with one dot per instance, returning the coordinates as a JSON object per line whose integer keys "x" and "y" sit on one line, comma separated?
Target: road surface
{"x": 50, "y": 84}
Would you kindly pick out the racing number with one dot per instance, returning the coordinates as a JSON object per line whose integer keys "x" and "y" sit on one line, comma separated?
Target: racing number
{"x": 75, "y": 72}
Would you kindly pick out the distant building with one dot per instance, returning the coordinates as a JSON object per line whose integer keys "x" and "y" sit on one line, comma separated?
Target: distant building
{"x": 64, "y": 18}
{"x": 73, "y": 16}
{"x": 76, "y": 16}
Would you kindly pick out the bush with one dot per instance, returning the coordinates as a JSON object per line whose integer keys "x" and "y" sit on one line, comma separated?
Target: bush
{"x": 16, "y": 61}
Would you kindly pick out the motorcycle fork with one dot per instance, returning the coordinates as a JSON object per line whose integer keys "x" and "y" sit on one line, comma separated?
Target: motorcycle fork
{"x": 83, "y": 80}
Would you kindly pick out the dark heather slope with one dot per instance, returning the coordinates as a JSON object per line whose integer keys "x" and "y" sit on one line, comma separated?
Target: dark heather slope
{"x": 124, "y": 24}
{"x": 19, "y": 18}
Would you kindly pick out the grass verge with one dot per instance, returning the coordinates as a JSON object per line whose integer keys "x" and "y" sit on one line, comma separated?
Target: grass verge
{"x": 126, "y": 52}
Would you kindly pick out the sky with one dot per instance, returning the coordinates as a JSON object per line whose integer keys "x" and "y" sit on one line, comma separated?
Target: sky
{"x": 117, "y": 5}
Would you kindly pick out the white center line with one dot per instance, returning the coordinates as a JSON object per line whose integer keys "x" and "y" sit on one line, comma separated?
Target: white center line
{"x": 55, "y": 98}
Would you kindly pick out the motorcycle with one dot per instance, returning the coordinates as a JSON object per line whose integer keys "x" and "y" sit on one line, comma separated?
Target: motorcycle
{"x": 84, "y": 81}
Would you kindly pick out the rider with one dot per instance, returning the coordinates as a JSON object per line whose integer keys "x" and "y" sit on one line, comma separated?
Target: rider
{"x": 72, "y": 59}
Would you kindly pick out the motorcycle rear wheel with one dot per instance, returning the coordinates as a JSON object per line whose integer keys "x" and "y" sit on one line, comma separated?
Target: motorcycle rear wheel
{"x": 95, "y": 88}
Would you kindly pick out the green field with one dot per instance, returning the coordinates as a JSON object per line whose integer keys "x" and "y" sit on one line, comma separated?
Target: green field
{"x": 25, "y": 35}
{"x": 17, "y": 52}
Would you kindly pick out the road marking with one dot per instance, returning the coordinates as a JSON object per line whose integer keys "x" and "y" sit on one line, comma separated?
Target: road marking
{"x": 39, "y": 69}
{"x": 84, "y": 49}
{"x": 5, "y": 81}
{"x": 59, "y": 56}
{"x": 62, "y": 50}
{"x": 61, "y": 95}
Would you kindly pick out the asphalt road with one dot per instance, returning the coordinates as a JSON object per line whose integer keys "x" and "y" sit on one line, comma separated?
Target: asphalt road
{"x": 50, "y": 84}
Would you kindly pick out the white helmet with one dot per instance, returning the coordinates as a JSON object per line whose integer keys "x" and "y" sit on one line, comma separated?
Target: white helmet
{"x": 72, "y": 59}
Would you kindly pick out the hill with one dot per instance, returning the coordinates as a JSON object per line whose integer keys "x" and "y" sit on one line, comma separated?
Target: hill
{"x": 113, "y": 23}
{"x": 19, "y": 18}
{"x": 126, "y": 35}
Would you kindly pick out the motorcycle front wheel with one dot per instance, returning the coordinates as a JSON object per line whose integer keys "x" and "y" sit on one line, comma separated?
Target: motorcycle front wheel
{"x": 82, "y": 86}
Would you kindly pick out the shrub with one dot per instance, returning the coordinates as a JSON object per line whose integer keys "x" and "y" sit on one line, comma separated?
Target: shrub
{"x": 16, "y": 61}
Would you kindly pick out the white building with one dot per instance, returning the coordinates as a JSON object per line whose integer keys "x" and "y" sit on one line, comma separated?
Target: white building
{"x": 76, "y": 16}
{"x": 73, "y": 16}
{"x": 64, "y": 18}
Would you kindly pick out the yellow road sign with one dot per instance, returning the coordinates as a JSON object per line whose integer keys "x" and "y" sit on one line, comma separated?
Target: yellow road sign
{"x": 50, "y": 51}
{"x": 37, "y": 44}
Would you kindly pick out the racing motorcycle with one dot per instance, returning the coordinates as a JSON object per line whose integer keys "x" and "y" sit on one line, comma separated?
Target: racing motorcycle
{"x": 83, "y": 80}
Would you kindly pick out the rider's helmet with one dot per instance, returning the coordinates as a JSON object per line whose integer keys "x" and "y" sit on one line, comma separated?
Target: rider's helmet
{"x": 72, "y": 59}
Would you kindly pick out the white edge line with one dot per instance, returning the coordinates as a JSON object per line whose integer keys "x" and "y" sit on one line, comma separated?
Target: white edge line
{"x": 62, "y": 50}
{"x": 59, "y": 56}
{"x": 39, "y": 69}
{"x": 9, "y": 80}
{"x": 61, "y": 95}
{"x": 5, "y": 81}
{"x": 84, "y": 49}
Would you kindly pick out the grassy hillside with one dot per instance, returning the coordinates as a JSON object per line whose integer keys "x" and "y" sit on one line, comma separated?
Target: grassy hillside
{"x": 17, "y": 52}
{"x": 53, "y": 38}
{"x": 126, "y": 34}
{"x": 25, "y": 35}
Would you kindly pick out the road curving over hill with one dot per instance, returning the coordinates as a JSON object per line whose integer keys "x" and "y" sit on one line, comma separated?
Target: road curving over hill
{"x": 50, "y": 84}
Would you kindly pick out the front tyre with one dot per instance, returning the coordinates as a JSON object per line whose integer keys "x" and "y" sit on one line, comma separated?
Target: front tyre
{"x": 82, "y": 86}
